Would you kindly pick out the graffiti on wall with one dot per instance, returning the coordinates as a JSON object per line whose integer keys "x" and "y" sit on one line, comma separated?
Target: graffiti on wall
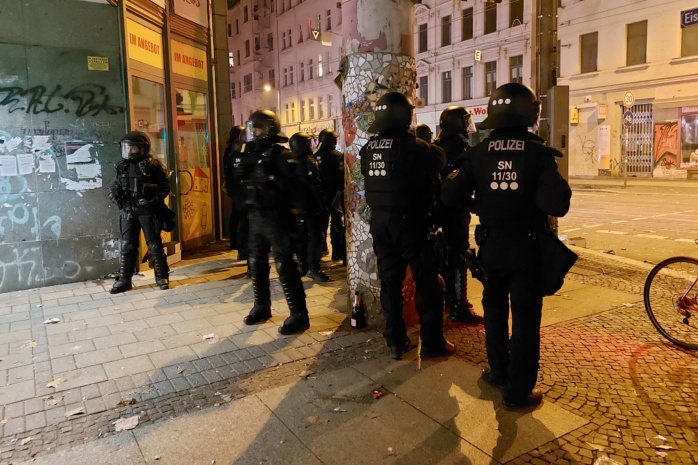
{"x": 82, "y": 100}
{"x": 666, "y": 162}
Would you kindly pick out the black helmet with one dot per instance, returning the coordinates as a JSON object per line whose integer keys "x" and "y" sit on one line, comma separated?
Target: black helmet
{"x": 300, "y": 144}
{"x": 269, "y": 127}
{"x": 393, "y": 111}
{"x": 327, "y": 138}
{"x": 236, "y": 133}
{"x": 422, "y": 131}
{"x": 135, "y": 145}
{"x": 454, "y": 121}
{"x": 512, "y": 105}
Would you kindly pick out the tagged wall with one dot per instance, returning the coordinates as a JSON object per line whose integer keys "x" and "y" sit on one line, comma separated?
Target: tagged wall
{"x": 61, "y": 117}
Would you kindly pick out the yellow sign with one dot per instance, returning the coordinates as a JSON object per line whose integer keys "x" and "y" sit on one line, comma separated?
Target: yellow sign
{"x": 98, "y": 63}
{"x": 574, "y": 116}
{"x": 189, "y": 61}
{"x": 144, "y": 45}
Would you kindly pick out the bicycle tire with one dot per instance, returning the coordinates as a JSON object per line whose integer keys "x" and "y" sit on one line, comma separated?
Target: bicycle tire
{"x": 666, "y": 282}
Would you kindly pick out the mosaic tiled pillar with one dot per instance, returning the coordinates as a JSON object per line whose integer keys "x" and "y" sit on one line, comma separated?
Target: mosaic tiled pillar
{"x": 379, "y": 58}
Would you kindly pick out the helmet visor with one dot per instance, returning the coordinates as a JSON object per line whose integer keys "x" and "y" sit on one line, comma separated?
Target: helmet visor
{"x": 130, "y": 150}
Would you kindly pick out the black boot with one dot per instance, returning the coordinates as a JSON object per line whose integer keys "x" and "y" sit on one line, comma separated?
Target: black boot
{"x": 294, "y": 324}
{"x": 162, "y": 271}
{"x": 127, "y": 266}
{"x": 461, "y": 309}
{"x": 292, "y": 286}
{"x": 261, "y": 311}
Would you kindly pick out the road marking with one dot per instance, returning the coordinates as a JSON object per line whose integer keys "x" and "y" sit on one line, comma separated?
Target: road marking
{"x": 571, "y": 230}
{"x": 639, "y": 219}
{"x": 650, "y": 236}
{"x": 604, "y": 231}
{"x": 592, "y": 225}
{"x": 619, "y": 221}
{"x": 686, "y": 240}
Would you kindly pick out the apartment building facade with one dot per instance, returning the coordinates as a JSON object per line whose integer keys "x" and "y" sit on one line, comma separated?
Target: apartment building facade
{"x": 632, "y": 69}
{"x": 283, "y": 56}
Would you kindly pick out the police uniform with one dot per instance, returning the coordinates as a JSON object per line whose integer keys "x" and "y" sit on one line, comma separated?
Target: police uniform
{"x": 310, "y": 233}
{"x": 516, "y": 186}
{"x": 274, "y": 204}
{"x": 140, "y": 189}
{"x": 237, "y": 166}
{"x": 400, "y": 176}
{"x": 332, "y": 179}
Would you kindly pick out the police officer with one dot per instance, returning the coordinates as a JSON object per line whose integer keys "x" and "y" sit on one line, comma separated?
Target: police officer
{"x": 310, "y": 243}
{"x": 234, "y": 184}
{"x": 455, "y": 222}
{"x": 514, "y": 177}
{"x": 139, "y": 190}
{"x": 401, "y": 176}
{"x": 332, "y": 178}
{"x": 424, "y": 132}
{"x": 274, "y": 206}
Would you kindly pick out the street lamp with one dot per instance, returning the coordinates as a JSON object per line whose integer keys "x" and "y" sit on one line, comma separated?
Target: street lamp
{"x": 268, "y": 88}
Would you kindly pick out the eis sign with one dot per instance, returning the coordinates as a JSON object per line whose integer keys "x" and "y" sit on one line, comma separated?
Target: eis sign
{"x": 689, "y": 17}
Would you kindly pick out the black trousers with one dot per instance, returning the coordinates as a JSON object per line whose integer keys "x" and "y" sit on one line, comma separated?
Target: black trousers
{"x": 310, "y": 242}
{"x": 398, "y": 242}
{"x": 131, "y": 225}
{"x": 337, "y": 235}
{"x": 239, "y": 226}
{"x": 454, "y": 270}
{"x": 268, "y": 233}
{"x": 510, "y": 263}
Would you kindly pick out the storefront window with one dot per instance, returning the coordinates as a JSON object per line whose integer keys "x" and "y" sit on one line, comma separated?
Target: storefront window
{"x": 689, "y": 139}
{"x": 149, "y": 114}
{"x": 192, "y": 129}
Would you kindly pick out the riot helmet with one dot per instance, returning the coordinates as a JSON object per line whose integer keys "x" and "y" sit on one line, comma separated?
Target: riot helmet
{"x": 236, "y": 133}
{"x": 422, "y": 131}
{"x": 135, "y": 145}
{"x": 393, "y": 111}
{"x": 264, "y": 128}
{"x": 327, "y": 139}
{"x": 454, "y": 121}
{"x": 300, "y": 144}
{"x": 512, "y": 105}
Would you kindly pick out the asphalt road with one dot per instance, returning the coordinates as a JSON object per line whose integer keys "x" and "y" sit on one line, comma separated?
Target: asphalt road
{"x": 645, "y": 221}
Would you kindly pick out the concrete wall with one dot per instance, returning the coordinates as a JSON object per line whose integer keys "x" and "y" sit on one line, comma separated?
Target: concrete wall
{"x": 60, "y": 124}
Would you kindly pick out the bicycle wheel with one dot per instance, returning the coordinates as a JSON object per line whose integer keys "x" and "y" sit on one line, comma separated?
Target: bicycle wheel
{"x": 671, "y": 291}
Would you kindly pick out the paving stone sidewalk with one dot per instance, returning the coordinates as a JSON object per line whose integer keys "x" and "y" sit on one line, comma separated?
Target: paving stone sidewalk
{"x": 167, "y": 354}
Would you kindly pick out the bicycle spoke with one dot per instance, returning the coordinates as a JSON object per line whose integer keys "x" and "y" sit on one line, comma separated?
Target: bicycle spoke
{"x": 670, "y": 300}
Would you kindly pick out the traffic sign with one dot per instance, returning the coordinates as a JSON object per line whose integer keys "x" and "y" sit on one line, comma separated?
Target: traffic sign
{"x": 629, "y": 99}
{"x": 628, "y": 118}
{"x": 315, "y": 34}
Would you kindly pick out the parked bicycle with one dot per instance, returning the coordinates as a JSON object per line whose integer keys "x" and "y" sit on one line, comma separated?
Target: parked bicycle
{"x": 671, "y": 300}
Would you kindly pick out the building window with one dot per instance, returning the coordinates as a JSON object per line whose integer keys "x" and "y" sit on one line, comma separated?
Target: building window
{"x": 636, "y": 53}
{"x": 446, "y": 30}
{"x": 311, "y": 109}
{"x": 233, "y": 90}
{"x": 516, "y": 69}
{"x": 231, "y": 59}
{"x": 247, "y": 48}
{"x": 290, "y": 39}
{"x": 283, "y": 41}
{"x": 328, "y": 20}
{"x": 320, "y": 108}
{"x": 328, "y": 61}
{"x": 310, "y": 68}
{"x": 589, "y": 52}
{"x": 257, "y": 44}
{"x": 516, "y": 8}
{"x": 293, "y": 112}
{"x": 319, "y": 65}
{"x": 689, "y": 41}
{"x": 467, "y": 24}
{"x": 290, "y": 74}
{"x": 330, "y": 105}
{"x": 270, "y": 41}
{"x": 490, "y": 18}
{"x": 285, "y": 77}
{"x": 239, "y": 61}
{"x": 490, "y": 77}
{"x": 288, "y": 117}
{"x": 237, "y": 26}
{"x": 301, "y": 72}
{"x": 423, "y": 44}
{"x": 424, "y": 89}
{"x": 445, "y": 87}
{"x": 230, "y": 30}
{"x": 300, "y": 33}
{"x": 467, "y": 83}
{"x": 272, "y": 77}
{"x": 272, "y": 5}
{"x": 302, "y": 110}
{"x": 248, "y": 83}
{"x": 245, "y": 15}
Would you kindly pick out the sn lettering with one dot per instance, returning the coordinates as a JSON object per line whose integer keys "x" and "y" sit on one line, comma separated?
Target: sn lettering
{"x": 504, "y": 165}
